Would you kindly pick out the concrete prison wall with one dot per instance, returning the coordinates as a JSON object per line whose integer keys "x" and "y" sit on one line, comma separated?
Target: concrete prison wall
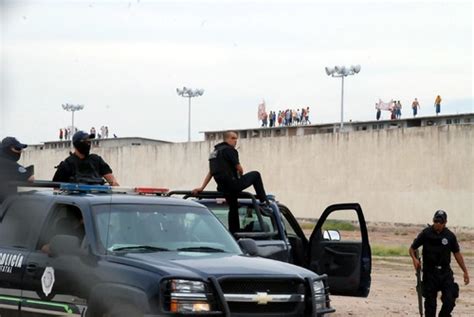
{"x": 397, "y": 175}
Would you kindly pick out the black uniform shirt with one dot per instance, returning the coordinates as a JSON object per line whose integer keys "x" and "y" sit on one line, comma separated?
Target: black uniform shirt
{"x": 11, "y": 171}
{"x": 89, "y": 170}
{"x": 437, "y": 247}
{"x": 222, "y": 161}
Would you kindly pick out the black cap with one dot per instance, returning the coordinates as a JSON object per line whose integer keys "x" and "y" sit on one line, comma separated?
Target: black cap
{"x": 10, "y": 141}
{"x": 440, "y": 215}
{"x": 80, "y": 136}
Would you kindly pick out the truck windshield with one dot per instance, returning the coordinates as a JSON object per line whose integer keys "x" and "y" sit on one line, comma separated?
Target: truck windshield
{"x": 161, "y": 228}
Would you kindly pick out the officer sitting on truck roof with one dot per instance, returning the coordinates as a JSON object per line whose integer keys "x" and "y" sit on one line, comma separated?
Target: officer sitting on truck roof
{"x": 225, "y": 167}
{"x": 83, "y": 167}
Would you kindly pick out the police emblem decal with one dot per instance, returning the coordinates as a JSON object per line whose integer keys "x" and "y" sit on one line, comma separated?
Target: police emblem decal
{"x": 444, "y": 241}
{"x": 21, "y": 170}
{"x": 47, "y": 280}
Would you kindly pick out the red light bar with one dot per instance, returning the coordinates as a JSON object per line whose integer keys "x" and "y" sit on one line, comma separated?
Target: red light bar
{"x": 151, "y": 190}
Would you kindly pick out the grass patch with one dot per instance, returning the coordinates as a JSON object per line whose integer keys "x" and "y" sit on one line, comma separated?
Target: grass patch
{"x": 462, "y": 236}
{"x": 307, "y": 225}
{"x": 401, "y": 233}
{"x": 340, "y": 225}
{"x": 381, "y": 250}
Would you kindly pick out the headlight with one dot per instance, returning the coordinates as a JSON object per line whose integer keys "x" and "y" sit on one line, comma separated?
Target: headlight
{"x": 185, "y": 286}
{"x": 189, "y": 296}
{"x": 319, "y": 295}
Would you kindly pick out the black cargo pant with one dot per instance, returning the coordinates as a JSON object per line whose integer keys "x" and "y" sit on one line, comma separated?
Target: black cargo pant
{"x": 231, "y": 187}
{"x": 435, "y": 280}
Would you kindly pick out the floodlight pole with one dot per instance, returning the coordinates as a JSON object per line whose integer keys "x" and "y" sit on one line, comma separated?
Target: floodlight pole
{"x": 72, "y": 108}
{"x": 342, "y": 72}
{"x": 342, "y": 105}
{"x": 189, "y": 93}
{"x": 189, "y": 119}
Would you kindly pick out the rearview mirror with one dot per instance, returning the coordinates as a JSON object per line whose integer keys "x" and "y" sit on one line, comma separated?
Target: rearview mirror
{"x": 248, "y": 246}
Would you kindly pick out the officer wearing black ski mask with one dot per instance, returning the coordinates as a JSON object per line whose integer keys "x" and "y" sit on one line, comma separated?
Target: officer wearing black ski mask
{"x": 82, "y": 166}
{"x": 10, "y": 170}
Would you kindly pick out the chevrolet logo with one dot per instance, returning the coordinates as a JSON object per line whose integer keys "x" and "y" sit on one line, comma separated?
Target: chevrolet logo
{"x": 262, "y": 298}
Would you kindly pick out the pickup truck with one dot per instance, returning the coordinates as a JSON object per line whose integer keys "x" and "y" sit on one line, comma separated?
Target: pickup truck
{"x": 81, "y": 250}
{"x": 278, "y": 235}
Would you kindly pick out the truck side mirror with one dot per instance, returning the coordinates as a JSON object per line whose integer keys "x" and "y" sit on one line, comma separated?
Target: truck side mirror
{"x": 64, "y": 245}
{"x": 248, "y": 246}
{"x": 332, "y": 235}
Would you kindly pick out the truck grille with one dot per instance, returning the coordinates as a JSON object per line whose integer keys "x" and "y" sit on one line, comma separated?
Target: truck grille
{"x": 270, "y": 297}
{"x": 236, "y": 286}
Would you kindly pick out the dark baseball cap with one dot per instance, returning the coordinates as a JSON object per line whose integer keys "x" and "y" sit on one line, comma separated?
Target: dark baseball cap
{"x": 10, "y": 141}
{"x": 440, "y": 215}
{"x": 81, "y": 136}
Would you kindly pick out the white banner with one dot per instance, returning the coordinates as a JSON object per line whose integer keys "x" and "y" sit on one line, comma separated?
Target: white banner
{"x": 385, "y": 105}
{"x": 261, "y": 110}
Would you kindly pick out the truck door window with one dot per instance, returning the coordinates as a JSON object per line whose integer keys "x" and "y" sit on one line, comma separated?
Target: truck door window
{"x": 20, "y": 222}
{"x": 65, "y": 220}
{"x": 289, "y": 229}
{"x": 346, "y": 223}
{"x": 248, "y": 219}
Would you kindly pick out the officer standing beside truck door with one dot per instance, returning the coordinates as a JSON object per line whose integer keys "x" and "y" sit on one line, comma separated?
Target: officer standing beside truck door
{"x": 438, "y": 242}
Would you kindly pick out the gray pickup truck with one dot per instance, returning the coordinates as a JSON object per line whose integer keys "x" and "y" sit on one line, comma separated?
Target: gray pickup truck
{"x": 278, "y": 236}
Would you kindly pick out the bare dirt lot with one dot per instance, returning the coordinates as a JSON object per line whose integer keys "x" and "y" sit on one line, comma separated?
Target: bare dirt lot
{"x": 393, "y": 278}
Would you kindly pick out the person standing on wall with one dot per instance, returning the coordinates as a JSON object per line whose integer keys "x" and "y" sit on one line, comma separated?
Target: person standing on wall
{"x": 437, "y": 104}
{"x": 415, "y": 105}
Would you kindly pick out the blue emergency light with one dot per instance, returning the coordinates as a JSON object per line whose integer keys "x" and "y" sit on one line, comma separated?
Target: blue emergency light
{"x": 85, "y": 188}
{"x": 82, "y": 188}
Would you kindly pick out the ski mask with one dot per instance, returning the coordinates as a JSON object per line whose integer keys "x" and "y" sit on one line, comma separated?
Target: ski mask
{"x": 11, "y": 155}
{"x": 84, "y": 147}
{"x": 10, "y": 143}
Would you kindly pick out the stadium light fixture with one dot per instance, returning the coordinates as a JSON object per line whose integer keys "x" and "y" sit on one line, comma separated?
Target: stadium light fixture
{"x": 342, "y": 71}
{"x": 189, "y": 93}
{"x": 72, "y": 108}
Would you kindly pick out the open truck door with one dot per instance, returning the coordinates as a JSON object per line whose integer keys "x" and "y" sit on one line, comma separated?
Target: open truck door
{"x": 347, "y": 263}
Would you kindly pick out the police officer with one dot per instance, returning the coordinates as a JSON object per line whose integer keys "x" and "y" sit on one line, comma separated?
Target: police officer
{"x": 225, "y": 167}
{"x": 72, "y": 225}
{"x": 438, "y": 242}
{"x": 82, "y": 166}
{"x": 10, "y": 170}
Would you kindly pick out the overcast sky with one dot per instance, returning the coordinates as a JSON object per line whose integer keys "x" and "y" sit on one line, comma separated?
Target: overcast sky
{"x": 123, "y": 60}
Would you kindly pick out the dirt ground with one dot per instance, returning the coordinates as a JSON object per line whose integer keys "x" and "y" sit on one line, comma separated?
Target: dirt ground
{"x": 393, "y": 278}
